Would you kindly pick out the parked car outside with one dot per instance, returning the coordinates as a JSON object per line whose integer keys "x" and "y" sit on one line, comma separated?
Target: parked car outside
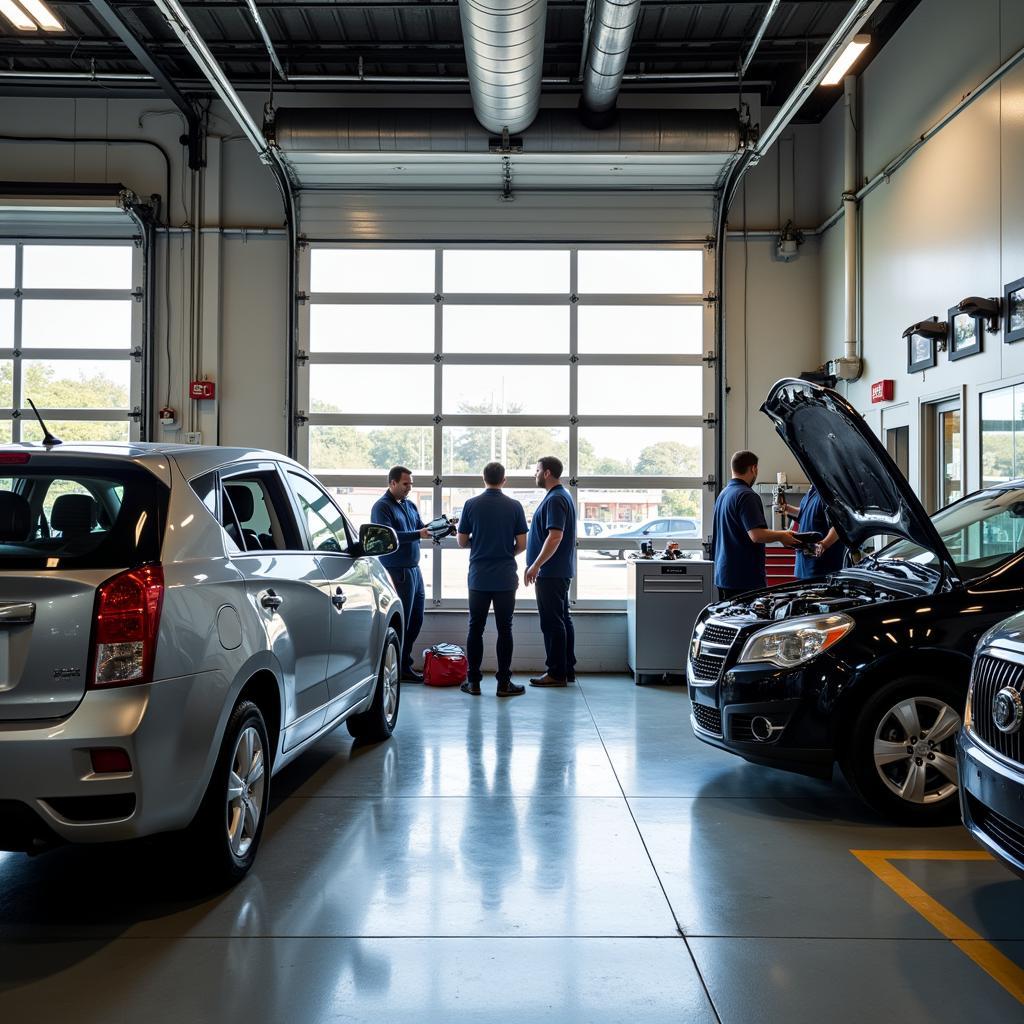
{"x": 660, "y": 531}
{"x": 590, "y": 528}
{"x": 867, "y": 667}
{"x": 990, "y": 747}
{"x": 177, "y": 623}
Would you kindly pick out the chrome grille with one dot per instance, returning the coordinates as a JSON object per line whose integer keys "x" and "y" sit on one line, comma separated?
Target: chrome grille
{"x": 716, "y": 634}
{"x": 706, "y": 667}
{"x": 709, "y": 719}
{"x": 1008, "y": 835}
{"x": 989, "y": 677}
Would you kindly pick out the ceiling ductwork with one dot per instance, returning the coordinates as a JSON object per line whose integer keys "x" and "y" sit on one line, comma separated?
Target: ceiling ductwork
{"x": 607, "y": 53}
{"x": 326, "y": 147}
{"x": 504, "y": 43}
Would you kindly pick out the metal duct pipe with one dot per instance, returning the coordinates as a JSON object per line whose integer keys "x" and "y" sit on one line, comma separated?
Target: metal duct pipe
{"x": 610, "y": 39}
{"x": 851, "y": 209}
{"x": 332, "y": 130}
{"x": 504, "y": 41}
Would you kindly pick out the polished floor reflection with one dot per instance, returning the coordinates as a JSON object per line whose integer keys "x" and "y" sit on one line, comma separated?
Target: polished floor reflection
{"x": 571, "y": 855}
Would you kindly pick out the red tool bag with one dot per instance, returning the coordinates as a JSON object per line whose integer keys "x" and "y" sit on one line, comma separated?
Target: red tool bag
{"x": 444, "y": 665}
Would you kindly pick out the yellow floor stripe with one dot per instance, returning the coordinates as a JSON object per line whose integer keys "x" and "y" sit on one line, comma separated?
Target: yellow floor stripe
{"x": 966, "y": 939}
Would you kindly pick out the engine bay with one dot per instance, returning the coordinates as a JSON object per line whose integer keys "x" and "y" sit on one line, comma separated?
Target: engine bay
{"x": 832, "y": 595}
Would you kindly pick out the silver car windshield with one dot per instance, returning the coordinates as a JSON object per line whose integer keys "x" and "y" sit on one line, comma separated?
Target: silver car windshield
{"x": 980, "y": 531}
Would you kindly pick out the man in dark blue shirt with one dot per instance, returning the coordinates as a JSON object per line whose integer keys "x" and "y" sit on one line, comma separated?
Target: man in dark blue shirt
{"x": 830, "y": 552}
{"x": 551, "y": 565}
{"x": 740, "y": 532}
{"x": 493, "y": 527}
{"x": 394, "y": 509}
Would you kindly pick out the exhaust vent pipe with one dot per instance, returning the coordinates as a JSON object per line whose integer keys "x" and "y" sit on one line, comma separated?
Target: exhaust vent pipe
{"x": 607, "y": 53}
{"x": 504, "y": 43}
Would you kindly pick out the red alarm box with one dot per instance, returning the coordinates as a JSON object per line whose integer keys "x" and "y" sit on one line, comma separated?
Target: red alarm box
{"x": 882, "y": 391}
{"x": 203, "y": 389}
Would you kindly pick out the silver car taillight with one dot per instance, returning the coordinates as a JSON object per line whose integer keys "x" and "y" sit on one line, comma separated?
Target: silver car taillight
{"x": 126, "y": 627}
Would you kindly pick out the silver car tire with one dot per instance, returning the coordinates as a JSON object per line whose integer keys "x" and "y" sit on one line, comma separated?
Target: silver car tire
{"x": 901, "y": 757}
{"x": 378, "y": 721}
{"x": 228, "y": 828}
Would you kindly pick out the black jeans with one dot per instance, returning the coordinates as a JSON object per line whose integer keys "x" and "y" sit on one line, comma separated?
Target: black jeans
{"x": 556, "y": 625}
{"x": 409, "y": 584}
{"x": 480, "y": 601}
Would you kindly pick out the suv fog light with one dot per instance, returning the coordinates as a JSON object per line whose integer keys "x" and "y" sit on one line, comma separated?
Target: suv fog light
{"x": 110, "y": 760}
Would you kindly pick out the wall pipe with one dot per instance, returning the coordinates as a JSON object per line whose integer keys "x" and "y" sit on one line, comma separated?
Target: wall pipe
{"x": 852, "y": 219}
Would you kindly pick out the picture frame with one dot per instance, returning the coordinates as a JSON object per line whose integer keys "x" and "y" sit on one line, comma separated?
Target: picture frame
{"x": 1013, "y": 304}
{"x": 920, "y": 353}
{"x": 964, "y": 338}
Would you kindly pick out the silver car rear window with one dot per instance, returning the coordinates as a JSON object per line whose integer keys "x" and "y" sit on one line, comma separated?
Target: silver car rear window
{"x": 74, "y": 515}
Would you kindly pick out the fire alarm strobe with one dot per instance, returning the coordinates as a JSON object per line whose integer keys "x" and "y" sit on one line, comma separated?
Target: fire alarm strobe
{"x": 203, "y": 389}
{"x": 882, "y": 391}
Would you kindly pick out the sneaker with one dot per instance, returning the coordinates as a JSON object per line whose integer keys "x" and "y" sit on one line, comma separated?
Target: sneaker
{"x": 510, "y": 690}
{"x": 472, "y": 688}
{"x": 547, "y": 680}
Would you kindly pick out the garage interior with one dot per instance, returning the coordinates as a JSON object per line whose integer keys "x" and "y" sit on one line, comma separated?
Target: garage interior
{"x": 374, "y": 232}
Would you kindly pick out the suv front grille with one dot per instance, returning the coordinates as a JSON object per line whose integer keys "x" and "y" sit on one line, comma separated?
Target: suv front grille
{"x": 1005, "y": 833}
{"x": 709, "y": 719}
{"x": 715, "y": 642}
{"x": 990, "y": 676}
{"x": 706, "y": 667}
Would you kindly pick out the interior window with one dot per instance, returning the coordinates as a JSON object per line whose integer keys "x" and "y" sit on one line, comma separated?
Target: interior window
{"x": 328, "y": 529}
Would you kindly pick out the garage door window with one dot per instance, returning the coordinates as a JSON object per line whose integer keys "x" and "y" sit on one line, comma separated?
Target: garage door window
{"x": 443, "y": 359}
{"x": 70, "y": 339}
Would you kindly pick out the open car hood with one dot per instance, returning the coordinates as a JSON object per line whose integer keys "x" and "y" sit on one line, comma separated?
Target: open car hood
{"x": 863, "y": 489}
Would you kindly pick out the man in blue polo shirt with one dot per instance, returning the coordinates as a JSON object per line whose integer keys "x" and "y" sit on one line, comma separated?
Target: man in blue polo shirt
{"x": 493, "y": 527}
{"x": 551, "y": 565}
{"x": 394, "y": 509}
{"x": 740, "y": 532}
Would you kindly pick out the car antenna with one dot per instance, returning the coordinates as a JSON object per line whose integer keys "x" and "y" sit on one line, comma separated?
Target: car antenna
{"x": 48, "y": 439}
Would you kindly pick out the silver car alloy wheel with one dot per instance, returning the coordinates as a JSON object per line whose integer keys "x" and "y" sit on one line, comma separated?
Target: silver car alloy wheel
{"x": 245, "y": 791}
{"x": 914, "y": 752}
{"x": 390, "y": 682}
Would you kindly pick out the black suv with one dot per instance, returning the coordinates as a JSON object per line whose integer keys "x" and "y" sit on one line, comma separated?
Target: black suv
{"x": 869, "y": 666}
{"x": 990, "y": 748}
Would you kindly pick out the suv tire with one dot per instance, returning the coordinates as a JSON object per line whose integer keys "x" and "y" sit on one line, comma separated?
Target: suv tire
{"x": 377, "y": 722}
{"x": 901, "y": 757}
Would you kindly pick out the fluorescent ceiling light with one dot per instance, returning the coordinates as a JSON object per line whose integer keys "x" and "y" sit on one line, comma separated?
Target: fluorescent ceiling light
{"x": 16, "y": 16}
{"x": 854, "y": 48}
{"x": 42, "y": 14}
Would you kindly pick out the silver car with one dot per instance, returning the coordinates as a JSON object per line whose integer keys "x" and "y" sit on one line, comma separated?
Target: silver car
{"x": 177, "y": 623}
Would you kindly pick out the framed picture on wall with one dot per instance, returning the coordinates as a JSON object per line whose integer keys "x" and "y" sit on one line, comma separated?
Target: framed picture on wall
{"x": 964, "y": 334}
{"x": 920, "y": 353}
{"x": 1013, "y": 295}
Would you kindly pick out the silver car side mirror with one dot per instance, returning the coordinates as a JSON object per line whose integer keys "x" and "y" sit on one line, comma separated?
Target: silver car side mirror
{"x": 377, "y": 540}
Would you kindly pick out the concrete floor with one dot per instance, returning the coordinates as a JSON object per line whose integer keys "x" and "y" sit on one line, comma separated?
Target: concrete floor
{"x": 569, "y": 855}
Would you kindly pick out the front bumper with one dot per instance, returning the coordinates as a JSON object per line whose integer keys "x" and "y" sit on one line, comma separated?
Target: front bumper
{"x": 49, "y": 793}
{"x": 992, "y": 800}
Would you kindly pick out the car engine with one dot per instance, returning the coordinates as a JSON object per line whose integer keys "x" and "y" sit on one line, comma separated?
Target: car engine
{"x": 832, "y": 595}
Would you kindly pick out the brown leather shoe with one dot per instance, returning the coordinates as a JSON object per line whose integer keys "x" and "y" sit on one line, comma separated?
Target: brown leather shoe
{"x": 511, "y": 690}
{"x": 547, "y": 680}
{"x": 471, "y": 688}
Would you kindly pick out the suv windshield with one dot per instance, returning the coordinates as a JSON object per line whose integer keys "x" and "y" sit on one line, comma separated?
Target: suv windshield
{"x": 74, "y": 514}
{"x": 979, "y": 531}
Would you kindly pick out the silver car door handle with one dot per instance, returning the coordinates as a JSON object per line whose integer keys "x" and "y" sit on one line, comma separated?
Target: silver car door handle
{"x": 20, "y": 613}
{"x": 271, "y": 600}
{"x": 338, "y": 599}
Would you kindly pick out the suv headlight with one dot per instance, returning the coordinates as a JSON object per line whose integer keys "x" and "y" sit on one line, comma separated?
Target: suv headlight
{"x": 788, "y": 644}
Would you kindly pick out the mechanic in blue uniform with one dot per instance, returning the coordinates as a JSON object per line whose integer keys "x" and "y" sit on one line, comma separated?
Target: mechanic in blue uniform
{"x": 551, "y": 565}
{"x": 830, "y": 552}
{"x": 493, "y": 527}
{"x": 393, "y": 508}
{"x": 740, "y": 532}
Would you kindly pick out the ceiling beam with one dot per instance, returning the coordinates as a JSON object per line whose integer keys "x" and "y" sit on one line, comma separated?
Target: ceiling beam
{"x": 112, "y": 17}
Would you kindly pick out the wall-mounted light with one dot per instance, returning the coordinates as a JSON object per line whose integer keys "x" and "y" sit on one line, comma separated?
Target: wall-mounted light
{"x": 933, "y": 328}
{"x": 988, "y": 310}
{"x": 30, "y": 16}
{"x": 854, "y": 48}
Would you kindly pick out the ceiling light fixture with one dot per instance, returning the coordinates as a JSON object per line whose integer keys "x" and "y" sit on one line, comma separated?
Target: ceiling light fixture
{"x": 46, "y": 18}
{"x": 16, "y": 16}
{"x": 854, "y": 48}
